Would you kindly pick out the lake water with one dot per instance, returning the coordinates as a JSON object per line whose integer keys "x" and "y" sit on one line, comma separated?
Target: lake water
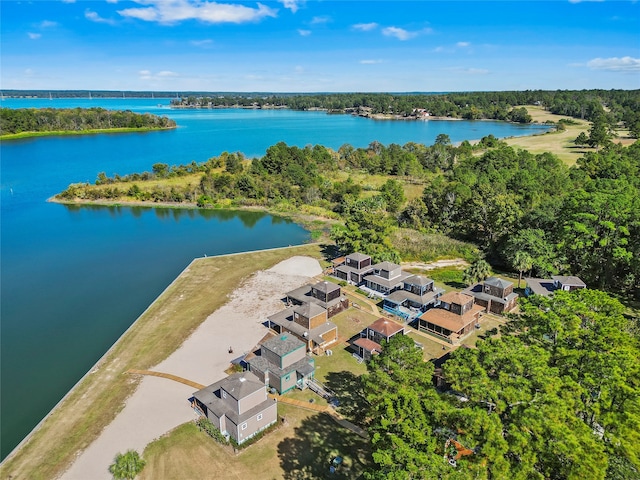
{"x": 74, "y": 278}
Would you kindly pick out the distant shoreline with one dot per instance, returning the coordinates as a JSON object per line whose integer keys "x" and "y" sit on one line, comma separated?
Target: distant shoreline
{"x": 64, "y": 133}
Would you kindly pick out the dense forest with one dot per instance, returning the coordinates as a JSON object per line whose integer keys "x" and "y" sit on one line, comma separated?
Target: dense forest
{"x": 583, "y": 220}
{"x": 619, "y": 105}
{"x": 556, "y": 396}
{"x": 18, "y": 120}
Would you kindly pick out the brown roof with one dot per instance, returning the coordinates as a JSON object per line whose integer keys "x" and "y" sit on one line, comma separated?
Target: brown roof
{"x": 368, "y": 345}
{"x": 386, "y": 327}
{"x": 456, "y": 297}
{"x": 451, "y": 321}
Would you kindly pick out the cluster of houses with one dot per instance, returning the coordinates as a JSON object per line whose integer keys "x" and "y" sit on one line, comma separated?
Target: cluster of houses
{"x": 239, "y": 404}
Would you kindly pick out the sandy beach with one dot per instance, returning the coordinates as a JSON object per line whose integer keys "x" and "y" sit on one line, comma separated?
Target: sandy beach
{"x": 159, "y": 405}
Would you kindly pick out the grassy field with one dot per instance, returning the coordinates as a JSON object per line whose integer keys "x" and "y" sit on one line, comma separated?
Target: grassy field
{"x": 159, "y": 331}
{"x": 559, "y": 143}
{"x": 301, "y": 447}
{"x": 63, "y": 133}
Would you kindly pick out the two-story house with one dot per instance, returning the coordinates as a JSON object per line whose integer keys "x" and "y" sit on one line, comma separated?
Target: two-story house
{"x": 354, "y": 268}
{"x": 283, "y": 363}
{"x": 309, "y": 323}
{"x": 237, "y": 405}
{"x": 417, "y": 293}
{"x": 328, "y": 295}
{"x": 455, "y": 317}
{"x": 385, "y": 277}
{"x": 495, "y": 294}
{"x": 376, "y": 334}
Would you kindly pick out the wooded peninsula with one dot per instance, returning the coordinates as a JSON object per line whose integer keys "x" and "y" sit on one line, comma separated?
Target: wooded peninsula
{"x": 26, "y": 122}
{"x": 394, "y": 202}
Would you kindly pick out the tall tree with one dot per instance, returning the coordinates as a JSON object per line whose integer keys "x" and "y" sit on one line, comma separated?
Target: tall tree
{"x": 522, "y": 261}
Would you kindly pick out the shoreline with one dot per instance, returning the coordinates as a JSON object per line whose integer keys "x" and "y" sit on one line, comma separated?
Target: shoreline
{"x": 69, "y": 133}
{"x": 56, "y": 441}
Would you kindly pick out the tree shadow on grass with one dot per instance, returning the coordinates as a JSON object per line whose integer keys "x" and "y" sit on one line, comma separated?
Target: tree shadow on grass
{"x": 454, "y": 284}
{"x": 348, "y": 389}
{"x": 317, "y": 441}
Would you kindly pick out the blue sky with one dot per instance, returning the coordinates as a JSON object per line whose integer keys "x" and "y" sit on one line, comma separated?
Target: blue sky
{"x": 319, "y": 46}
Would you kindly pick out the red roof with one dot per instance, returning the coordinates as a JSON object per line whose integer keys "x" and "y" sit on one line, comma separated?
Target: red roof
{"x": 368, "y": 345}
{"x": 386, "y": 327}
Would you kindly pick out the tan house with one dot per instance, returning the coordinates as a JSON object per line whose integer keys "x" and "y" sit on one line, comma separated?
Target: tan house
{"x": 238, "y": 405}
{"x": 354, "y": 268}
{"x": 283, "y": 363}
{"x": 546, "y": 286}
{"x": 309, "y": 323}
{"x": 386, "y": 277}
{"x": 325, "y": 294}
{"x": 454, "y": 319}
{"x": 374, "y": 335}
{"x": 495, "y": 294}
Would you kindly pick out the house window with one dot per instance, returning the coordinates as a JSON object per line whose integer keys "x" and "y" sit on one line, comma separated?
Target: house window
{"x": 288, "y": 377}
{"x": 224, "y": 394}
{"x": 259, "y": 417}
{"x": 244, "y": 426}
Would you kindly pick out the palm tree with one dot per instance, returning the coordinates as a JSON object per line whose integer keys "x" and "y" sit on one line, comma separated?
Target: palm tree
{"x": 126, "y": 466}
{"x": 476, "y": 272}
{"x": 522, "y": 261}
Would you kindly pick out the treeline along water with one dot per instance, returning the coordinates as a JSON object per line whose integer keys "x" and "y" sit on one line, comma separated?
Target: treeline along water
{"x": 74, "y": 278}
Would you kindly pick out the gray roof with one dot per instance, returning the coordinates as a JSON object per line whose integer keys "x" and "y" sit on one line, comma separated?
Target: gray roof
{"x": 238, "y": 385}
{"x": 347, "y": 269}
{"x": 284, "y": 318}
{"x": 498, "y": 282}
{"x": 400, "y": 296}
{"x": 326, "y": 287}
{"x": 358, "y": 257}
{"x": 418, "y": 280}
{"x": 309, "y": 310}
{"x": 303, "y": 295}
{"x": 283, "y": 344}
{"x": 569, "y": 280}
{"x": 386, "y": 266}
{"x": 540, "y": 286}
{"x": 486, "y": 297}
{"x": 303, "y": 366}
{"x": 211, "y": 397}
{"x": 388, "y": 283}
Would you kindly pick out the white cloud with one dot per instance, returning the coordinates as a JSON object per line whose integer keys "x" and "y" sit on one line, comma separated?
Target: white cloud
{"x": 201, "y": 43}
{"x": 615, "y": 64}
{"x": 370, "y": 62}
{"x": 304, "y": 33}
{"x": 298, "y": 70}
{"x": 47, "y": 24}
{"x": 320, "y": 20}
{"x": 292, "y": 5}
{"x": 580, "y": 1}
{"x": 173, "y": 11}
{"x": 402, "y": 34}
{"x": 68, "y": 1}
{"x": 469, "y": 71}
{"x": 365, "y": 27}
{"x": 34, "y": 36}
{"x": 162, "y": 75}
{"x": 462, "y": 44}
{"x": 94, "y": 17}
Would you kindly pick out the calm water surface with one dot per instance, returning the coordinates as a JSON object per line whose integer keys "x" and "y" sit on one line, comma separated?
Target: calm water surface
{"x": 73, "y": 279}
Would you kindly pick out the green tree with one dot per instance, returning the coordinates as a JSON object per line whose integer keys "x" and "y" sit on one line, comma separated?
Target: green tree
{"x": 476, "y": 272}
{"x": 581, "y": 139}
{"x": 393, "y": 194}
{"x": 600, "y": 132}
{"x": 126, "y": 466}
{"x": 522, "y": 261}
